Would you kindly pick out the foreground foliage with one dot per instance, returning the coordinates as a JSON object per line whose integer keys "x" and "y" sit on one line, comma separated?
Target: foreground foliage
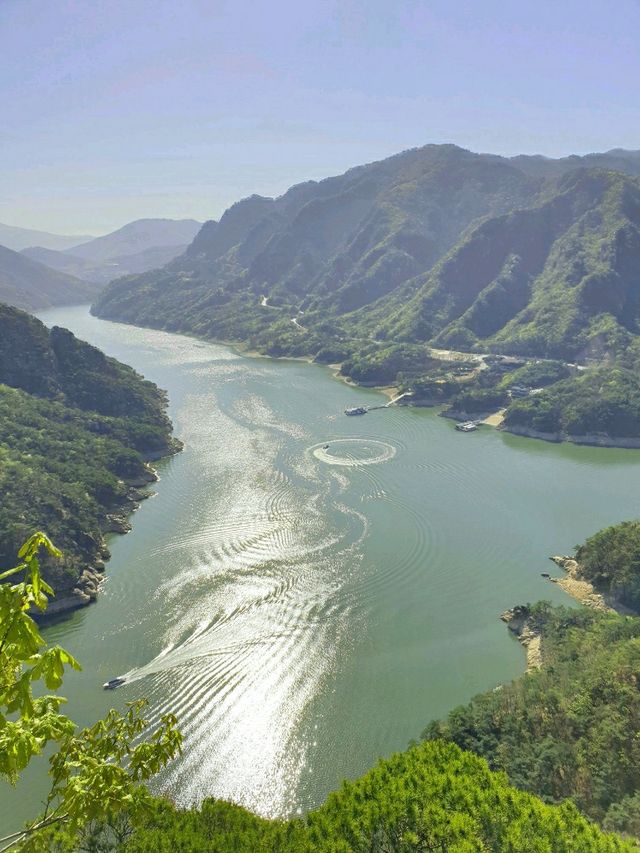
{"x": 88, "y": 781}
{"x": 431, "y": 797}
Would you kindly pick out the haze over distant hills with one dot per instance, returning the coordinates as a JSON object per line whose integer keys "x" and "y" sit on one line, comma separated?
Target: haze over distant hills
{"x": 20, "y": 238}
{"x": 138, "y": 236}
{"x": 136, "y": 247}
{"x": 27, "y": 284}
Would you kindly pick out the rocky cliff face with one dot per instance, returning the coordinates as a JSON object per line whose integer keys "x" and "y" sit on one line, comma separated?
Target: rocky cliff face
{"x": 520, "y": 624}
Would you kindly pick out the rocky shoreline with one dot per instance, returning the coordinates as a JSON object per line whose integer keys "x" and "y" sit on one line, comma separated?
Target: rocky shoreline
{"x": 518, "y": 620}
{"x": 575, "y": 585}
{"x": 87, "y": 586}
{"x": 590, "y": 440}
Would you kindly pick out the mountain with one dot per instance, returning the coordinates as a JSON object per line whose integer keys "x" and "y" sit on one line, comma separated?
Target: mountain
{"x": 20, "y": 238}
{"x": 435, "y": 247}
{"x": 560, "y": 278}
{"x": 436, "y": 244}
{"x": 101, "y": 272}
{"x": 136, "y": 237}
{"x": 75, "y": 428}
{"x": 618, "y": 160}
{"x": 28, "y": 284}
{"x": 337, "y": 243}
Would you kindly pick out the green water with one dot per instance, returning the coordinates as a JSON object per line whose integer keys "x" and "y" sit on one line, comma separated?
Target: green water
{"x": 306, "y": 610}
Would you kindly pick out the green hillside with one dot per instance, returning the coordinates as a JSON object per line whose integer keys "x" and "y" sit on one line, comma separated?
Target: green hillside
{"x": 431, "y": 797}
{"x": 75, "y": 428}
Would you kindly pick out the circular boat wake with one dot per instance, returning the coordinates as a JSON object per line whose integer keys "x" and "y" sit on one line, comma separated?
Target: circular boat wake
{"x": 353, "y": 452}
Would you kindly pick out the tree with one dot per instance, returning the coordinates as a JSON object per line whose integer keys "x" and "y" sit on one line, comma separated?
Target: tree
{"x": 89, "y": 782}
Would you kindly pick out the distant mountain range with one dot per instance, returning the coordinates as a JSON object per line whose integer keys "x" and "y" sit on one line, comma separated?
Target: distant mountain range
{"x": 437, "y": 244}
{"x": 27, "y": 284}
{"x": 20, "y": 238}
{"x": 40, "y": 277}
{"x": 100, "y": 272}
{"x": 138, "y": 236}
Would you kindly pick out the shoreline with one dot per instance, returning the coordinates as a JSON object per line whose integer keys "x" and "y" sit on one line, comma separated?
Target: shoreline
{"x": 491, "y": 417}
{"x": 587, "y": 440}
{"x": 517, "y": 621}
{"x": 87, "y": 585}
{"x": 584, "y": 591}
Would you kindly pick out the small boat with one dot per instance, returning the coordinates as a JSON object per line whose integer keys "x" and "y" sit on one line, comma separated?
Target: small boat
{"x": 113, "y": 683}
{"x": 356, "y": 410}
{"x": 467, "y": 426}
{"x": 325, "y": 447}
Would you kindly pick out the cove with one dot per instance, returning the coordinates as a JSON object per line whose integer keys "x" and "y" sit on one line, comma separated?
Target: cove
{"x": 306, "y": 609}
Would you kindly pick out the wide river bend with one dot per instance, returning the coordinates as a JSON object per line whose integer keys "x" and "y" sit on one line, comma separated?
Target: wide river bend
{"x": 306, "y": 609}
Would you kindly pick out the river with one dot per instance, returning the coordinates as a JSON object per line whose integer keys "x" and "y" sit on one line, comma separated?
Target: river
{"x": 305, "y": 610}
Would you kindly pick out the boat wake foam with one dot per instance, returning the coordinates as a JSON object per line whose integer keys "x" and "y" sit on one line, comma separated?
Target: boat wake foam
{"x": 353, "y": 452}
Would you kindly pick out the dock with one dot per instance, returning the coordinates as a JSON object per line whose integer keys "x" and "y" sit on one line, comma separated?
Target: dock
{"x": 362, "y": 410}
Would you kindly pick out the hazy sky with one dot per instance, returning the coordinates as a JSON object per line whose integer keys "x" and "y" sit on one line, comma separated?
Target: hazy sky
{"x": 116, "y": 109}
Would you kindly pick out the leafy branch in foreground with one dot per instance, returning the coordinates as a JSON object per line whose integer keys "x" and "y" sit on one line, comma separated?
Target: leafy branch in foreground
{"x": 95, "y": 771}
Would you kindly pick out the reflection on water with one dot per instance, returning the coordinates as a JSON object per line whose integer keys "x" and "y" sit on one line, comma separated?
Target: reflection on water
{"x": 300, "y": 607}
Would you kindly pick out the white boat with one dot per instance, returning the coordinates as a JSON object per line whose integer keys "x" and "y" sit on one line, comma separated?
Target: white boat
{"x": 113, "y": 683}
{"x": 356, "y": 410}
{"x": 467, "y": 426}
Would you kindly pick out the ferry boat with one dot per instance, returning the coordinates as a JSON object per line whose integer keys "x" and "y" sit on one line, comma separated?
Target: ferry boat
{"x": 113, "y": 683}
{"x": 356, "y": 410}
{"x": 467, "y": 426}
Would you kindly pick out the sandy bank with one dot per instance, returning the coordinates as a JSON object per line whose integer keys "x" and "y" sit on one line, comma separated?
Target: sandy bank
{"x": 578, "y": 588}
{"x": 583, "y": 590}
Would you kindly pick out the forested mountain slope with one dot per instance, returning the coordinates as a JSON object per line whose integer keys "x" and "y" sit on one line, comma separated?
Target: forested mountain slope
{"x": 28, "y": 284}
{"x": 558, "y": 279}
{"x": 436, "y": 244}
{"x": 436, "y": 247}
{"x": 342, "y": 242}
{"x": 75, "y": 428}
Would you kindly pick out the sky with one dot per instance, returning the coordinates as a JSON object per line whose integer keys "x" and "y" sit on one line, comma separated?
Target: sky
{"x": 113, "y": 110}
